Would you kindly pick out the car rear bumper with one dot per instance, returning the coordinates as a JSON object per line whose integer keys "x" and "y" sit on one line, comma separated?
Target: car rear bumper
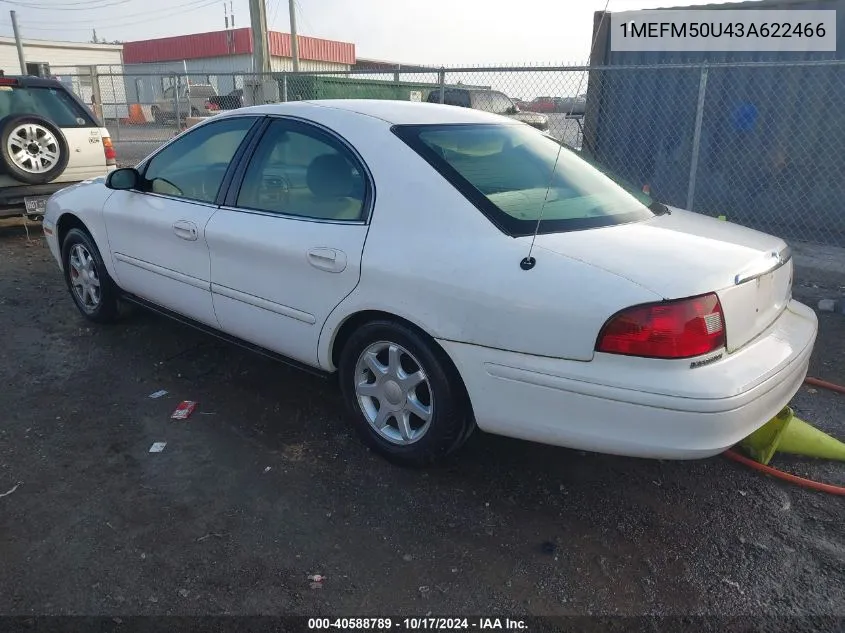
{"x": 12, "y": 198}
{"x": 640, "y": 407}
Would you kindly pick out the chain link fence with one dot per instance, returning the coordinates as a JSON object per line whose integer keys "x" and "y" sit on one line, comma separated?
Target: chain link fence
{"x": 759, "y": 144}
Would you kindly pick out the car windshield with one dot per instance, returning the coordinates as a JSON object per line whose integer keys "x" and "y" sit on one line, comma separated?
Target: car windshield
{"x": 50, "y": 103}
{"x": 516, "y": 175}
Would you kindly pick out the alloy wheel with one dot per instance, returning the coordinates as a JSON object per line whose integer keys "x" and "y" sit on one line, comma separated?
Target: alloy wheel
{"x": 394, "y": 393}
{"x": 84, "y": 277}
{"x": 33, "y": 148}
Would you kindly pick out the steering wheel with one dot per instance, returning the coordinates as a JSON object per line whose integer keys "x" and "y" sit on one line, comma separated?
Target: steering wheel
{"x": 274, "y": 190}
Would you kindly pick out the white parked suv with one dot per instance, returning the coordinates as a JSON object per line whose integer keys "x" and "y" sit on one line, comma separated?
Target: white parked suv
{"x": 49, "y": 139}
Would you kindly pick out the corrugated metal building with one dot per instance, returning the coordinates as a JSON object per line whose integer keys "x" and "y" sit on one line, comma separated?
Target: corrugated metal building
{"x": 222, "y": 58}
{"x": 771, "y": 135}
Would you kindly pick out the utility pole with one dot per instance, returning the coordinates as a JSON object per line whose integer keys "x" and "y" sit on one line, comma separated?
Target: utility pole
{"x": 260, "y": 46}
{"x": 18, "y": 41}
{"x": 294, "y": 42}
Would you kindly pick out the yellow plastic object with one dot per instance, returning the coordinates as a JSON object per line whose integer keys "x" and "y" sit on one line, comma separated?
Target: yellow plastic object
{"x": 786, "y": 433}
{"x": 723, "y": 218}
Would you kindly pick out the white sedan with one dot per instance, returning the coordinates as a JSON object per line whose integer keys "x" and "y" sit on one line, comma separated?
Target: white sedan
{"x": 454, "y": 268}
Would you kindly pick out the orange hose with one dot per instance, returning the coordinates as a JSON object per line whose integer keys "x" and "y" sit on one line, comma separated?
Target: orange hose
{"x": 774, "y": 472}
{"x": 816, "y": 382}
{"x": 795, "y": 479}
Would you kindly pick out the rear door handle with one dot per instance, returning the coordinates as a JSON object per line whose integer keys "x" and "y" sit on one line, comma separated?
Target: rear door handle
{"x": 185, "y": 230}
{"x": 328, "y": 259}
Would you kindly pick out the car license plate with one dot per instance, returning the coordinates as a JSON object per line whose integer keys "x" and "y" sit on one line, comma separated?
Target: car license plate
{"x": 36, "y": 206}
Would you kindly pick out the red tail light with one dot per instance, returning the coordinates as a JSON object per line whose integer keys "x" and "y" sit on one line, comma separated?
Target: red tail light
{"x": 671, "y": 329}
{"x": 8, "y": 81}
{"x": 108, "y": 150}
{"x": 211, "y": 106}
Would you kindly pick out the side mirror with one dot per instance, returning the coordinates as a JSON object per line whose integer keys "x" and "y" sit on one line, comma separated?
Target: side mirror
{"x": 123, "y": 179}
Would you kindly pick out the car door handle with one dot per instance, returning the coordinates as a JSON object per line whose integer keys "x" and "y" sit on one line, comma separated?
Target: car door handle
{"x": 185, "y": 230}
{"x": 328, "y": 259}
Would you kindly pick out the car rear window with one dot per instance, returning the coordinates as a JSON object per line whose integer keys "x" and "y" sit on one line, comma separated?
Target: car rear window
{"x": 516, "y": 175}
{"x": 51, "y": 103}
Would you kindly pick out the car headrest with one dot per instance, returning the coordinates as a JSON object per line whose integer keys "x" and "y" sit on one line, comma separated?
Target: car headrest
{"x": 330, "y": 176}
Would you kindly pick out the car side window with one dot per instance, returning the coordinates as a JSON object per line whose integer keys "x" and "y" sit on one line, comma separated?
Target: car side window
{"x": 451, "y": 97}
{"x": 299, "y": 170}
{"x": 483, "y": 101}
{"x": 500, "y": 104}
{"x": 193, "y": 166}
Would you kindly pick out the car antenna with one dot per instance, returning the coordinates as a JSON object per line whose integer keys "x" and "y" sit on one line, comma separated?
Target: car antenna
{"x": 529, "y": 262}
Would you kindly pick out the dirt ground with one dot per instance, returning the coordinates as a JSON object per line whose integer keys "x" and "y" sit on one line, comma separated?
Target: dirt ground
{"x": 265, "y": 484}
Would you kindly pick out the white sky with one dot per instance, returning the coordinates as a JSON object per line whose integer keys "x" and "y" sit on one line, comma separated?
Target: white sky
{"x": 450, "y": 32}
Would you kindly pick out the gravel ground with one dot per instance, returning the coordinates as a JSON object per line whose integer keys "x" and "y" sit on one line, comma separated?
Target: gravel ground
{"x": 265, "y": 485}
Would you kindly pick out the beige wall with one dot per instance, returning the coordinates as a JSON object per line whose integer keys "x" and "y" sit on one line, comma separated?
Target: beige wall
{"x": 59, "y": 54}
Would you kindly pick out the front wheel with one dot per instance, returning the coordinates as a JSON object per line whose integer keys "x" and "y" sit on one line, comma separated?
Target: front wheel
{"x": 403, "y": 394}
{"x": 89, "y": 283}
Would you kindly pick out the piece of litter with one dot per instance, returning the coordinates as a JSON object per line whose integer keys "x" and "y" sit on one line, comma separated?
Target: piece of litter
{"x": 157, "y": 447}
{"x": 316, "y": 581}
{"x": 424, "y": 590}
{"x": 110, "y": 525}
{"x": 827, "y": 305}
{"x": 733, "y": 584}
{"x": 811, "y": 390}
{"x": 267, "y": 470}
{"x": 143, "y": 556}
{"x": 743, "y": 493}
{"x": 202, "y": 538}
{"x": 407, "y": 558}
{"x": 184, "y": 410}
{"x": 11, "y": 490}
{"x": 183, "y": 593}
{"x": 158, "y": 394}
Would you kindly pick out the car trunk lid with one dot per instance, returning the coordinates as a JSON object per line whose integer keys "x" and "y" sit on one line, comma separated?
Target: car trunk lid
{"x": 684, "y": 254}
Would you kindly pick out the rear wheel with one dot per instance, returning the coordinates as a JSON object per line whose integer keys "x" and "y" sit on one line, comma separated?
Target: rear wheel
{"x": 89, "y": 283}
{"x": 403, "y": 395}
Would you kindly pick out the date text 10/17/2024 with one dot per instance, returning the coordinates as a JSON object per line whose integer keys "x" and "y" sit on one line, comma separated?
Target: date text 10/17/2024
{"x": 413, "y": 624}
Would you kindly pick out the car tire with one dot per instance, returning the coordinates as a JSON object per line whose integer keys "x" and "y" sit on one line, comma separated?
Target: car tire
{"x": 158, "y": 117}
{"x": 95, "y": 295}
{"x": 378, "y": 365}
{"x": 44, "y": 143}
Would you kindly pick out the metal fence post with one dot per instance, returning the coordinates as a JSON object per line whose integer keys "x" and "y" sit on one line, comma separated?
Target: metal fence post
{"x": 696, "y": 138}
{"x": 96, "y": 95}
{"x": 284, "y": 87}
{"x": 114, "y": 105}
{"x": 441, "y": 79}
{"x": 176, "y": 87}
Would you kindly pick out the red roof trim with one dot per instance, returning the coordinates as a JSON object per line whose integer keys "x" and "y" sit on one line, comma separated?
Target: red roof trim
{"x": 234, "y": 42}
